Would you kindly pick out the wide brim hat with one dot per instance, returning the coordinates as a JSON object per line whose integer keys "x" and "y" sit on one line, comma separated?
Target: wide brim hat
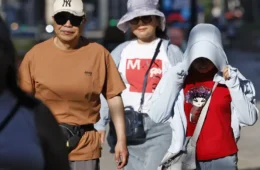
{"x": 138, "y": 8}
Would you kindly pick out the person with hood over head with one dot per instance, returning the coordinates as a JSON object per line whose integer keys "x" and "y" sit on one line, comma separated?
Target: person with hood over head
{"x": 185, "y": 89}
{"x": 148, "y": 55}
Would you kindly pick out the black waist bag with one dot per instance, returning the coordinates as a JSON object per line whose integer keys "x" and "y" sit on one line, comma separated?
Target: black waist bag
{"x": 134, "y": 119}
{"x": 73, "y": 134}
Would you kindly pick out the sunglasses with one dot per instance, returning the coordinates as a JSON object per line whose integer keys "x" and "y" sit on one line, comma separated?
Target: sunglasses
{"x": 145, "y": 19}
{"x": 62, "y": 18}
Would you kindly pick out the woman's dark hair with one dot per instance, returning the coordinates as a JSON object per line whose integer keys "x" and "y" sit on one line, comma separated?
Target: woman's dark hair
{"x": 159, "y": 33}
{"x": 8, "y": 54}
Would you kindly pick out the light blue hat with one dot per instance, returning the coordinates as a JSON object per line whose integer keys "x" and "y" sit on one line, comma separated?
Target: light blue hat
{"x": 137, "y": 8}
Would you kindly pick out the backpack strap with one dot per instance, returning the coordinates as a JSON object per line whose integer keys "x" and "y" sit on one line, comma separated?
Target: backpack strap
{"x": 9, "y": 116}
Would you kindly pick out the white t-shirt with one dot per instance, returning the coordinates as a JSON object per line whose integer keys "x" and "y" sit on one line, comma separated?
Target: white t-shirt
{"x": 135, "y": 61}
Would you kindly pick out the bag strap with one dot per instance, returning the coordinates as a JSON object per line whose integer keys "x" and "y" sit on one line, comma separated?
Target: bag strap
{"x": 147, "y": 72}
{"x": 9, "y": 116}
{"x": 202, "y": 118}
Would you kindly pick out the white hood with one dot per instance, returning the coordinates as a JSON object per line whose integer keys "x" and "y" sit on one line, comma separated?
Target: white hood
{"x": 205, "y": 41}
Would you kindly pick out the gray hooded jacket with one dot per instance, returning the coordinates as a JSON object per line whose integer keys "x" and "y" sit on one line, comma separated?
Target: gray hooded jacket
{"x": 204, "y": 41}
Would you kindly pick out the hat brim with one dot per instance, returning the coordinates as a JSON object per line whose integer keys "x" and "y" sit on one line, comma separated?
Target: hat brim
{"x": 123, "y": 22}
{"x": 79, "y": 14}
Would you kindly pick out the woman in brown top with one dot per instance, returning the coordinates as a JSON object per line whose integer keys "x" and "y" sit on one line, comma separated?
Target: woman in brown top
{"x": 68, "y": 73}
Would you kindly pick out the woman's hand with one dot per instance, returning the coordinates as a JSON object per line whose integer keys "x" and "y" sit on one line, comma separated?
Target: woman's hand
{"x": 226, "y": 73}
{"x": 102, "y": 134}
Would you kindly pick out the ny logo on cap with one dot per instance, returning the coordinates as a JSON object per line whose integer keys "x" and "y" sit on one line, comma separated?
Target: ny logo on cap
{"x": 66, "y": 3}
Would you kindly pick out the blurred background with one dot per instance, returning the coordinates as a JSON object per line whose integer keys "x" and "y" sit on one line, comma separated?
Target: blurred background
{"x": 30, "y": 22}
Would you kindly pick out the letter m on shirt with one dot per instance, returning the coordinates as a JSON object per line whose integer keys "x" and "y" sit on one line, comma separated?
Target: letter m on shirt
{"x": 134, "y": 64}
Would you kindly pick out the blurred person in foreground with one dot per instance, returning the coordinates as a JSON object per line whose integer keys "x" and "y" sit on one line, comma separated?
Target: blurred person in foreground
{"x": 30, "y": 138}
{"x": 69, "y": 73}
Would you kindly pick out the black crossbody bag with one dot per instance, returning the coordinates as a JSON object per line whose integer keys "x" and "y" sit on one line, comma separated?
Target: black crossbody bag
{"x": 134, "y": 119}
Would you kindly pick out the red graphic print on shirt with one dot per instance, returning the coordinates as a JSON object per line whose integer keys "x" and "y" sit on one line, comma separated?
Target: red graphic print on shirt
{"x": 197, "y": 96}
{"x": 135, "y": 72}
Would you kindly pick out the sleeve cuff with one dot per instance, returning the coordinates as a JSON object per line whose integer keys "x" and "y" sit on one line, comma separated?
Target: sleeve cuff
{"x": 100, "y": 126}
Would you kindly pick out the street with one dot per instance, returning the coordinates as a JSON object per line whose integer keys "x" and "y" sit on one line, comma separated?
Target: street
{"x": 249, "y": 152}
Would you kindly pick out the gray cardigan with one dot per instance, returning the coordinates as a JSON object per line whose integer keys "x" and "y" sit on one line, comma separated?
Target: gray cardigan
{"x": 174, "y": 55}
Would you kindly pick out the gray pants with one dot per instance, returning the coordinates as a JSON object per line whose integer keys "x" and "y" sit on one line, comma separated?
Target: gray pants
{"x": 85, "y": 165}
{"x": 226, "y": 163}
{"x": 148, "y": 154}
